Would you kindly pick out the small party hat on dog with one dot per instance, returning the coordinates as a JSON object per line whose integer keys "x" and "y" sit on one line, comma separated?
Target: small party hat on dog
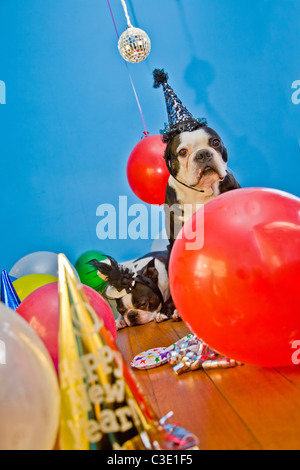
{"x": 177, "y": 112}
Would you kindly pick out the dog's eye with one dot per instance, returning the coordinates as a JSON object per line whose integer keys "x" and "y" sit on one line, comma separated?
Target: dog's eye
{"x": 182, "y": 152}
{"x": 216, "y": 143}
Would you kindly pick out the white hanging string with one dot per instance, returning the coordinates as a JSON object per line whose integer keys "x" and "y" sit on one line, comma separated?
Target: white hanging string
{"x": 126, "y": 14}
{"x": 146, "y": 133}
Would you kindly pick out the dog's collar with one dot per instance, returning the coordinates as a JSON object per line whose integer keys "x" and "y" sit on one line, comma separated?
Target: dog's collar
{"x": 111, "y": 293}
{"x": 187, "y": 186}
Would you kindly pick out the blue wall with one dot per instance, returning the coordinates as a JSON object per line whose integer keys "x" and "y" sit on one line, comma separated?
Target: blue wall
{"x": 71, "y": 120}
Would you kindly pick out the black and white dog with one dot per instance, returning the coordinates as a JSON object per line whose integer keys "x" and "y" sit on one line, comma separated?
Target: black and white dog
{"x": 140, "y": 288}
{"x": 197, "y": 161}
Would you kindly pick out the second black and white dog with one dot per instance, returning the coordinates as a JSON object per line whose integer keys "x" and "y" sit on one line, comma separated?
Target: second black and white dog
{"x": 140, "y": 288}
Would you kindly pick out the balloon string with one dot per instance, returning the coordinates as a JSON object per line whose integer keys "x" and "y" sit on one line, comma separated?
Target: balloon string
{"x": 126, "y": 13}
{"x": 138, "y": 103}
{"x": 130, "y": 77}
{"x": 112, "y": 15}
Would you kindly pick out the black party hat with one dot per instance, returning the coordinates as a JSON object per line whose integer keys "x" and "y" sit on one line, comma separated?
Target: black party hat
{"x": 177, "y": 112}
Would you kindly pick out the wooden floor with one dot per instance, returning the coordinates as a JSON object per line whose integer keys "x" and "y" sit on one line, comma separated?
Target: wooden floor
{"x": 246, "y": 408}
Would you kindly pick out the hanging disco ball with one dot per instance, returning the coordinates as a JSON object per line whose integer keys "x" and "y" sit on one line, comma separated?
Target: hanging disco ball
{"x": 134, "y": 45}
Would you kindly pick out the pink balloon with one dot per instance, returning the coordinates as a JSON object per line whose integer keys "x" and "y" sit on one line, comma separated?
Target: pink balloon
{"x": 41, "y": 310}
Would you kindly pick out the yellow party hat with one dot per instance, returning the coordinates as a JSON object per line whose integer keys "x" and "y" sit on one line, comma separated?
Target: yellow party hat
{"x": 102, "y": 407}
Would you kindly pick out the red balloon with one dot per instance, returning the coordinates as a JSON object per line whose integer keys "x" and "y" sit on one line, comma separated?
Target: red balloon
{"x": 147, "y": 171}
{"x": 41, "y": 310}
{"x": 240, "y": 293}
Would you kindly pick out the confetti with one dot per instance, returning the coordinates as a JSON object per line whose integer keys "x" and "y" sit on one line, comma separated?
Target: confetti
{"x": 187, "y": 354}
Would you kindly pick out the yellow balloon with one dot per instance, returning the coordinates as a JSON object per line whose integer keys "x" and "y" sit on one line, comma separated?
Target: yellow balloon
{"x": 27, "y": 284}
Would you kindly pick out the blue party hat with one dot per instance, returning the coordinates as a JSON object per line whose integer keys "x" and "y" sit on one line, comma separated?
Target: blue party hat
{"x": 8, "y": 294}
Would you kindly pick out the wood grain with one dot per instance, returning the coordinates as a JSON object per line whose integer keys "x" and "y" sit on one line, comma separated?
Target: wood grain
{"x": 292, "y": 374}
{"x": 246, "y": 408}
{"x": 267, "y": 402}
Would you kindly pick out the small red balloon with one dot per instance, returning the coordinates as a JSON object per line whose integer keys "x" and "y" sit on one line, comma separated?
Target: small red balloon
{"x": 240, "y": 292}
{"x": 41, "y": 310}
{"x": 147, "y": 171}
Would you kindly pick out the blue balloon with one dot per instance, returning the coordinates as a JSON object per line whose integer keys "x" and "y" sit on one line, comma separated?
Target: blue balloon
{"x": 8, "y": 294}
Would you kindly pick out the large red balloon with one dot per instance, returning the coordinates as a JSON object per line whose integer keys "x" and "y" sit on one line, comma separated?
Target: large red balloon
{"x": 41, "y": 310}
{"x": 240, "y": 293}
{"x": 147, "y": 171}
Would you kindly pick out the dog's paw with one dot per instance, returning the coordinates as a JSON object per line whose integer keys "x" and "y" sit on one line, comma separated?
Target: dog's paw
{"x": 160, "y": 317}
{"x": 176, "y": 316}
{"x": 120, "y": 324}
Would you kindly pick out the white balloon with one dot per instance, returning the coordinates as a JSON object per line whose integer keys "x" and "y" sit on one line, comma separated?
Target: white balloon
{"x": 29, "y": 390}
{"x": 161, "y": 242}
{"x": 40, "y": 262}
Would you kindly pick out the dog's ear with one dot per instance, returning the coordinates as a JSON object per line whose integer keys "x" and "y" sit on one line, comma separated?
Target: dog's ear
{"x": 224, "y": 154}
{"x": 151, "y": 273}
{"x": 168, "y": 156}
{"x": 113, "y": 274}
{"x": 172, "y": 162}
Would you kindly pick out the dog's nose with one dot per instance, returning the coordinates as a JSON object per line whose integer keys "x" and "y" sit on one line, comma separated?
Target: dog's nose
{"x": 203, "y": 156}
{"x": 131, "y": 316}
